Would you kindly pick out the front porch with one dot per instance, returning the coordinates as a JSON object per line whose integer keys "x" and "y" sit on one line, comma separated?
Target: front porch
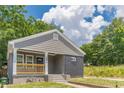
{"x": 37, "y": 63}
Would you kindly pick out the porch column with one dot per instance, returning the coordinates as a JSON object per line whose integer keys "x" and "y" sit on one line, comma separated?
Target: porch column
{"x": 46, "y": 62}
{"x": 14, "y": 60}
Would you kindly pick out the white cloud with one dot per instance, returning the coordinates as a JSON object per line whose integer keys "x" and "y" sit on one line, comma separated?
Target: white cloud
{"x": 71, "y": 19}
{"x": 119, "y": 11}
{"x": 96, "y": 23}
{"x": 67, "y": 12}
{"x": 100, "y": 8}
{"x": 93, "y": 27}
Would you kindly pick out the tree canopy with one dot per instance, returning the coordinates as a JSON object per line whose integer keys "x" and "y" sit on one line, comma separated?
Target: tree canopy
{"x": 108, "y": 47}
{"x": 14, "y": 24}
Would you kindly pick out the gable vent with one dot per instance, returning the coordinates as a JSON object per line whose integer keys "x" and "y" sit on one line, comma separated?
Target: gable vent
{"x": 55, "y": 36}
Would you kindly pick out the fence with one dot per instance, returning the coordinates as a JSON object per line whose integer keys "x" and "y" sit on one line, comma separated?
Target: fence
{"x": 30, "y": 68}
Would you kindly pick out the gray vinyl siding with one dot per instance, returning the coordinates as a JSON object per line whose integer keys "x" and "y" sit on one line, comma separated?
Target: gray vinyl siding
{"x": 52, "y": 46}
{"x": 10, "y": 68}
{"x": 69, "y": 45}
{"x": 33, "y": 41}
{"x": 51, "y": 63}
{"x": 74, "y": 68}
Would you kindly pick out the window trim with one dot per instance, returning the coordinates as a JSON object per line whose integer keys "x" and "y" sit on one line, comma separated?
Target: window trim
{"x": 32, "y": 59}
{"x": 22, "y": 58}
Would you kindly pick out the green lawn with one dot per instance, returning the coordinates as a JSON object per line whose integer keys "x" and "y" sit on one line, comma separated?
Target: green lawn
{"x": 99, "y": 82}
{"x": 39, "y": 85}
{"x": 105, "y": 71}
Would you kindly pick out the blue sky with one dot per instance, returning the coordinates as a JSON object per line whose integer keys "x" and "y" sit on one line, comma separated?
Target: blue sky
{"x": 37, "y": 11}
{"x": 80, "y": 23}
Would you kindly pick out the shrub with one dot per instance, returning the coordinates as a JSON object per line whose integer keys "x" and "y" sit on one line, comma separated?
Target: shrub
{"x": 104, "y": 71}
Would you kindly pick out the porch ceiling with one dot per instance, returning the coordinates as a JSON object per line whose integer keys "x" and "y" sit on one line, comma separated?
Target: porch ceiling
{"x": 51, "y": 46}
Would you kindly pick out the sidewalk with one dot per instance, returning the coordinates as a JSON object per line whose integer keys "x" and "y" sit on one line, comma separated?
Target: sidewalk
{"x": 77, "y": 86}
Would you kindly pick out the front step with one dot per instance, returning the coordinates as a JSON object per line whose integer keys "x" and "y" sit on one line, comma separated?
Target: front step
{"x": 57, "y": 78}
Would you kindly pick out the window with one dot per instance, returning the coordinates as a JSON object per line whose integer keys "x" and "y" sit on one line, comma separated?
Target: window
{"x": 73, "y": 58}
{"x": 20, "y": 58}
{"x": 55, "y": 36}
{"x": 29, "y": 59}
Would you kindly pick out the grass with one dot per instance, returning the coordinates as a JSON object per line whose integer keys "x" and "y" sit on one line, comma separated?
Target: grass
{"x": 40, "y": 85}
{"x": 105, "y": 71}
{"x": 99, "y": 82}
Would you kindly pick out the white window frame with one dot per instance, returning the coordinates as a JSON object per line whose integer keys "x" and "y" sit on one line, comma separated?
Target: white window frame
{"x": 32, "y": 59}
{"x": 22, "y": 58}
{"x": 73, "y": 58}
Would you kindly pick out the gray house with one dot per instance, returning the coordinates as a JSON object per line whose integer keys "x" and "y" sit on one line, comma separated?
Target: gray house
{"x": 46, "y": 56}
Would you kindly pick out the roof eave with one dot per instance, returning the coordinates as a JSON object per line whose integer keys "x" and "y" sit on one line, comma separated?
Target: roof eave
{"x": 67, "y": 39}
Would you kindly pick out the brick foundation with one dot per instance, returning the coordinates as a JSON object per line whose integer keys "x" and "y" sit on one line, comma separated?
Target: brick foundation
{"x": 49, "y": 77}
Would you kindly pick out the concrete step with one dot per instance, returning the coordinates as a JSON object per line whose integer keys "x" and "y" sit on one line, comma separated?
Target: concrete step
{"x": 56, "y": 78}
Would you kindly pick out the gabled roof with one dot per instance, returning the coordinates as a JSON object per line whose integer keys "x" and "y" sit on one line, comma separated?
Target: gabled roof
{"x": 45, "y": 33}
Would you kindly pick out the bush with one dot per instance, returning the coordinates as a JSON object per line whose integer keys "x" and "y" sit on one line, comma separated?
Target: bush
{"x": 104, "y": 71}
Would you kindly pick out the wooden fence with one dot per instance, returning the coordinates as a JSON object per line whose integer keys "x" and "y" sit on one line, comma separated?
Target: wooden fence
{"x": 30, "y": 68}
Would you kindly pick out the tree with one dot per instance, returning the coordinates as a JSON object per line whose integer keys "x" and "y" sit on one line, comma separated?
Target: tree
{"x": 108, "y": 47}
{"x": 14, "y": 24}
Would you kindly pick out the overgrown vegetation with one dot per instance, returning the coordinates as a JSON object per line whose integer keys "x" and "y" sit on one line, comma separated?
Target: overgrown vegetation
{"x": 14, "y": 24}
{"x": 105, "y": 71}
{"x": 108, "y": 47}
{"x": 40, "y": 85}
{"x": 99, "y": 82}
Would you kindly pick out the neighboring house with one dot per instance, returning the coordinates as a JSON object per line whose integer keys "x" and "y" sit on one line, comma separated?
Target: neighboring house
{"x": 36, "y": 57}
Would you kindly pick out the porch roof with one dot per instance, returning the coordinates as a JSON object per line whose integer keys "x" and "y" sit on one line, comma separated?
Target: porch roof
{"x": 51, "y": 46}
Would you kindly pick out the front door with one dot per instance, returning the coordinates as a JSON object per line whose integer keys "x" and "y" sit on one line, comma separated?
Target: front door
{"x": 39, "y": 60}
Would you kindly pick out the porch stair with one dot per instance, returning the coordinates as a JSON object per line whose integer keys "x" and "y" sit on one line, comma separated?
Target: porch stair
{"x": 57, "y": 78}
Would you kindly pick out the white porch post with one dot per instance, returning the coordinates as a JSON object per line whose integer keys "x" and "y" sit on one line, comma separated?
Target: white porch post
{"x": 14, "y": 60}
{"x": 46, "y": 63}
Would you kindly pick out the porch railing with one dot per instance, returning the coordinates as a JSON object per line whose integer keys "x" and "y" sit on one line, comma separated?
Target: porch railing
{"x": 30, "y": 68}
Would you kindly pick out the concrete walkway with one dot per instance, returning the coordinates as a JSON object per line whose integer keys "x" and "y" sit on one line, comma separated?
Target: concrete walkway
{"x": 77, "y": 86}
{"x": 83, "y": 86}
